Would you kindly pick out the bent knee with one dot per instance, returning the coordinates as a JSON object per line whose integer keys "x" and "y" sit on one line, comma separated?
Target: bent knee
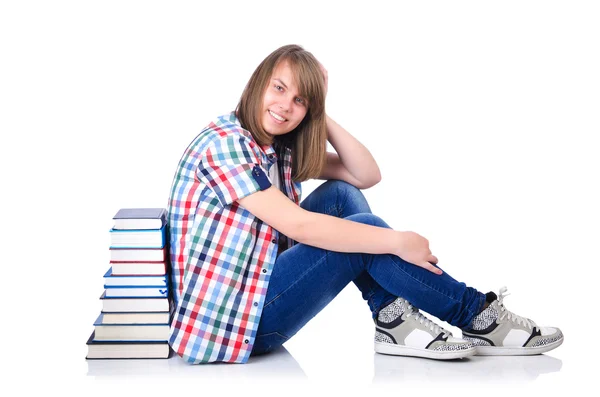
{"x": 345, "y": 189}
{"x": 368, "y": 219}
{"x": 339, "y": 184}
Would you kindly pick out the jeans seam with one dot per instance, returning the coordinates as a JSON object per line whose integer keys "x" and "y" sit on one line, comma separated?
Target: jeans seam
{"x": 273, "y": 333}
{"x": 383, "y": 305}
{"x": 421, "y": 282}
{"x": 472, "y": 315}
{"x": 332, "y": 209}
{"x": 298, "y": 279}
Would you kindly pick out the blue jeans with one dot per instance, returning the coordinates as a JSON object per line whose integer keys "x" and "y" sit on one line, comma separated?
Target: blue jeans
{"x": 306, "y": 278}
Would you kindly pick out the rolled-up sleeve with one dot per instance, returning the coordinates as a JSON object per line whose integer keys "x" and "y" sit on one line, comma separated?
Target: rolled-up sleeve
{"x": 231, "y": 169}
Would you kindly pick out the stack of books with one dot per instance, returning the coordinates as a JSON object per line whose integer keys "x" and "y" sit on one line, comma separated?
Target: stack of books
{"x": 137, "y": 306}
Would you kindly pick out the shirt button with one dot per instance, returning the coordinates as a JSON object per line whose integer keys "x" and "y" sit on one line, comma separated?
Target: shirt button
{"x": 255, "y": 303}
{"x": 246, "y": 341}
{"x": 274, "y": 240}
{"x": 264, "y": 270}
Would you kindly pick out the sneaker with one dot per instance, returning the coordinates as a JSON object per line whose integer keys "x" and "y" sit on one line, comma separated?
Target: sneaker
{"x": 496, "y": 331}
{"x": 403, "y": 330}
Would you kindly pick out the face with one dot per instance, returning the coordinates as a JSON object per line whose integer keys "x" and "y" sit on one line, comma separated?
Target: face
{"x": 283, "y": 108}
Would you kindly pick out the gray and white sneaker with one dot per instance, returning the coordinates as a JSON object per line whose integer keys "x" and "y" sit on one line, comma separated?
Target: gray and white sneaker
{"x": 403, "y": 330}
{"x": 496, "y": 331}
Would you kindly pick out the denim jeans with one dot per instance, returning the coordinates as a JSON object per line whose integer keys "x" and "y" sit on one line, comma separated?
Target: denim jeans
{"x": 306, "y": 278}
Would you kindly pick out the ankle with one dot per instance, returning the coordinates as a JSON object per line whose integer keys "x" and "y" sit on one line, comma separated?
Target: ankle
{"x": 489, "y": 298}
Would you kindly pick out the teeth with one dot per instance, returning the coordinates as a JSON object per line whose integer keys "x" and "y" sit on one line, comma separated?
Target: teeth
{"x": 277, "y": 116}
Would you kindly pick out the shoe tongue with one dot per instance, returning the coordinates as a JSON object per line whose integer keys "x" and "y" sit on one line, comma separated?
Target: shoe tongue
{"x": 490, "y": 297}
{"x": 408, "y": 310}
{"x": 414, "y": 310}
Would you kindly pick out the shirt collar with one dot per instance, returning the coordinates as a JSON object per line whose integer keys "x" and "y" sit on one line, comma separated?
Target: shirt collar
{"x": 268, "y": 150}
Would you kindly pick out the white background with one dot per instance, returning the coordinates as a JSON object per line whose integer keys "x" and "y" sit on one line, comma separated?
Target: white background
{"x": 481, "y": 116}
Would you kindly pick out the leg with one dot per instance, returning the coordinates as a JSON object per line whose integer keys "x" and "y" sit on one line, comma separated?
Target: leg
{"x": 341, "y": 199}
{"x": 306, "y": 278}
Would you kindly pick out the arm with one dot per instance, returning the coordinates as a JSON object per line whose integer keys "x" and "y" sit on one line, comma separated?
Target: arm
{"x": 318, "y": 230}
{"x": 353, "y": 162}
{"x": 336, "y": 234}
{"x": 341, "y": 235}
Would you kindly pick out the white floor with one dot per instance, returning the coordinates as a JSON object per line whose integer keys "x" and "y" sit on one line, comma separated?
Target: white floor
{"x": 312, "y": 361}
{"x": 348, "y": 371}
{"x": 385, "y": 369}
{"x": 482, "y": 117}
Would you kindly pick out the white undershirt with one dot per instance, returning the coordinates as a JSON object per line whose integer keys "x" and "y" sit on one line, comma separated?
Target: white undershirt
{"x": 274, "y": 176}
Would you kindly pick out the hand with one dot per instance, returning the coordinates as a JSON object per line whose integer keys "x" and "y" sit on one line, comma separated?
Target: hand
{"x": 325, "y": 77}
{"x": 414, "y": 248}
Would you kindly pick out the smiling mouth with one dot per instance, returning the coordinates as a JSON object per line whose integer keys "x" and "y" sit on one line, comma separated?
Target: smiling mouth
{"x": 277, "y": 117}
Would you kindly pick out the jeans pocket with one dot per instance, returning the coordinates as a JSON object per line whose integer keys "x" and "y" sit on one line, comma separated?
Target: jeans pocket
{"x": 266, "y": 343}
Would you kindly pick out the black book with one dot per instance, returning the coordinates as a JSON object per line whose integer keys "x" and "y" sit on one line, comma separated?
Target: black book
{"x": 140, "y": 218}
{"x": 126, "y": 349}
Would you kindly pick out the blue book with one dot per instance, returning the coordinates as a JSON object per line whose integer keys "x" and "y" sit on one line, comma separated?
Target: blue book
{"x": 138, "y": 238}
{"x": 130, "y": 332}
{"x": 140, "y": 218}
{"x": 136, "y": 292}
{"x": 111, "y": 280}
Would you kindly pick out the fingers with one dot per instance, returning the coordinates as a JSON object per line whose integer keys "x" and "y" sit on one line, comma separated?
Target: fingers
{"x": 431, "y": 268}
{"x": 324, "y": 71}
{"x": 432, "y": 259}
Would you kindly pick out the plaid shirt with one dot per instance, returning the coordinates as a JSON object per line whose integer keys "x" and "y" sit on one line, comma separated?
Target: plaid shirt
{"x": 222, "y": 256}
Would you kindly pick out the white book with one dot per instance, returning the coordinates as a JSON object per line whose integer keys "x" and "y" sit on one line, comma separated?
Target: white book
{"x": 136, "y": 292}
{"x": 138, "y": 268}
{"x": 131, "y": 332}
{"x": 135, "y": 318}
{"x": 137, "y": 238}
{"x": 134, "y": 304}
{"x": 137, "y": 254}
{"x": 116, "y": 280}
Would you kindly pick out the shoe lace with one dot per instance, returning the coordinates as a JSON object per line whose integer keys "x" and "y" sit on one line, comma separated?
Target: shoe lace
{"x": 413, "y": 311}
{"x": 505, "y": 313}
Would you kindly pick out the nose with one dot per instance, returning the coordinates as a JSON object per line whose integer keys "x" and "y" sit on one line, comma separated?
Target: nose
{"x": 286, "y": 103}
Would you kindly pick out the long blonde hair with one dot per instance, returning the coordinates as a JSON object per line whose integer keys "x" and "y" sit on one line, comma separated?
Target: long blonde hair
{"x": 308, "y": 141}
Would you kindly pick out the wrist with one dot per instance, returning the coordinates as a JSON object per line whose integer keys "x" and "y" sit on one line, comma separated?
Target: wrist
{"x": 399, "y": 241}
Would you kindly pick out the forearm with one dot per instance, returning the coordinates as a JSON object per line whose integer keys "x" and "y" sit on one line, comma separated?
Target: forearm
{"x": 341, "y": 235}
{"x": 353, "y": 154}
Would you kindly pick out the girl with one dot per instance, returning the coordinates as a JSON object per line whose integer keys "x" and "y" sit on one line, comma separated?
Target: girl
{"x": 251, "y": 264}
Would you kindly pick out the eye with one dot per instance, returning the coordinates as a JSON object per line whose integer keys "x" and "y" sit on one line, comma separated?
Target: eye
{"x": 300, "y": 101}
{"x": 278, "y": 87}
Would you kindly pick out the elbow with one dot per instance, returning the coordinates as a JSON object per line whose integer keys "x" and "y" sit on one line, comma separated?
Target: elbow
{"x": 372, "y": 182}
{"x": 377, "y": 178}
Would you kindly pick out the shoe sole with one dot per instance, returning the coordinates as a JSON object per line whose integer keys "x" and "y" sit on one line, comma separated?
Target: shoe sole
{"x": 516, "y": 351}
{"x": 399, "y": 350}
